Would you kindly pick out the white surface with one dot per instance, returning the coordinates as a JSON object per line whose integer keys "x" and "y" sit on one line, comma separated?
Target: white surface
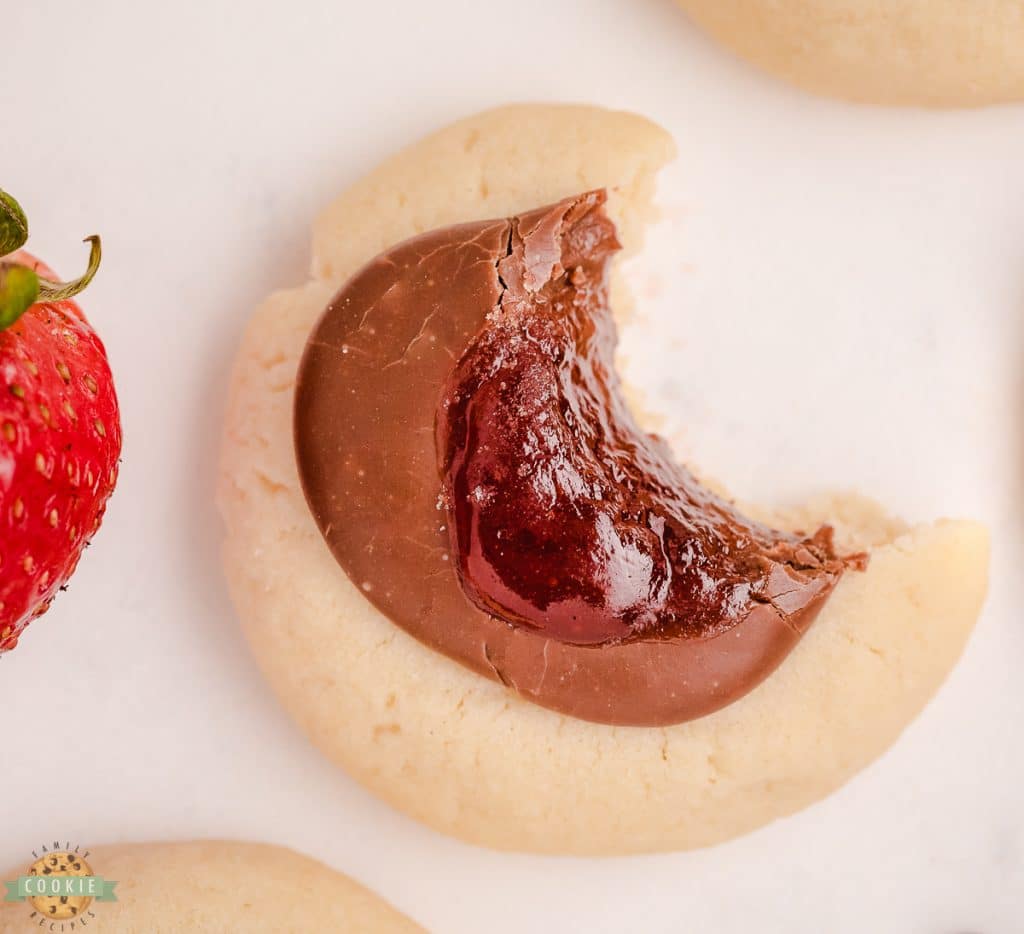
{"x": 863, "y": 269}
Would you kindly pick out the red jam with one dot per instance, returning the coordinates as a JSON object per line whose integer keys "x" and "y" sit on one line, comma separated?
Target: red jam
{"x": 563, "y": 515}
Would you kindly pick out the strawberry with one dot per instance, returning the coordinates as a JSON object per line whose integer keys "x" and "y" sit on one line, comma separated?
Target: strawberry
{"x": 60, "y": 430}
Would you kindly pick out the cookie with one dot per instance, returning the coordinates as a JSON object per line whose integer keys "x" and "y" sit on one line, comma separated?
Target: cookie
{"x": 217, "y": 886}
{"x": 934, "y": 53}
{"x": 464, "y": 753}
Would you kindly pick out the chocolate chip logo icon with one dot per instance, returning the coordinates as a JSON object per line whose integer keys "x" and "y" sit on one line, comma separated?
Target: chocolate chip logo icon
{"x": 60, "y": 887}
{"x": 58, "y": 865}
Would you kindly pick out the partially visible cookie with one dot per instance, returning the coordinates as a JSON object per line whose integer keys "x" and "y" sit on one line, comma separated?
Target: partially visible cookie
{"x": 934, "y": 53}
{"x": 220, "y": 886}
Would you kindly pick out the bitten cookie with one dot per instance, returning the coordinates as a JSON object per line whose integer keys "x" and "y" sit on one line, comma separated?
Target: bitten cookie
{"x": 218, "y": 886}
{"x": 934, "y": 53}
{"x": 465, "y": 751}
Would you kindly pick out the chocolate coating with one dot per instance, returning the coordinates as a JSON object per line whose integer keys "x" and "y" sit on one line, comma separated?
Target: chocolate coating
{"x": 465, "y": 451}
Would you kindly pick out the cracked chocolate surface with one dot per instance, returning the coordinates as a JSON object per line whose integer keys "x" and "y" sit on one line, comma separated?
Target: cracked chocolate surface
{"x": 466, "y": 452}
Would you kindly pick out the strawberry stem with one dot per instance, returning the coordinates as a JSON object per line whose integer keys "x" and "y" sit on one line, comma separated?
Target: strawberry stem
{"x": 20, "y": 286}
{"x": 59, "y": 291}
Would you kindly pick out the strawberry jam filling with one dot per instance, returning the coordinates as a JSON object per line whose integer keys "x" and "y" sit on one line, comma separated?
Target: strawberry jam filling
{"x": 564, "y": 515}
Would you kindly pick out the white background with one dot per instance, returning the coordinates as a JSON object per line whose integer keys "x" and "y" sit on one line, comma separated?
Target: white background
{"x": 839, "y": 293}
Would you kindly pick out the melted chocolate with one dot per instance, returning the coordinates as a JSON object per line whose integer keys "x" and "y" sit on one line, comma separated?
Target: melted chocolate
{"x": 467, "y": 455}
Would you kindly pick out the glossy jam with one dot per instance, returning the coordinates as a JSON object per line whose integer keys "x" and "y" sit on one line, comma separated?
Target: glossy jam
{"x": 563, "y": 515}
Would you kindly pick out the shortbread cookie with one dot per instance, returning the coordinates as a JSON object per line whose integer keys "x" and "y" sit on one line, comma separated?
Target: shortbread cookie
{"x": 465, "y": 752}
{"x": 935, "y": 53}
{"x": 215, "y": 887}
